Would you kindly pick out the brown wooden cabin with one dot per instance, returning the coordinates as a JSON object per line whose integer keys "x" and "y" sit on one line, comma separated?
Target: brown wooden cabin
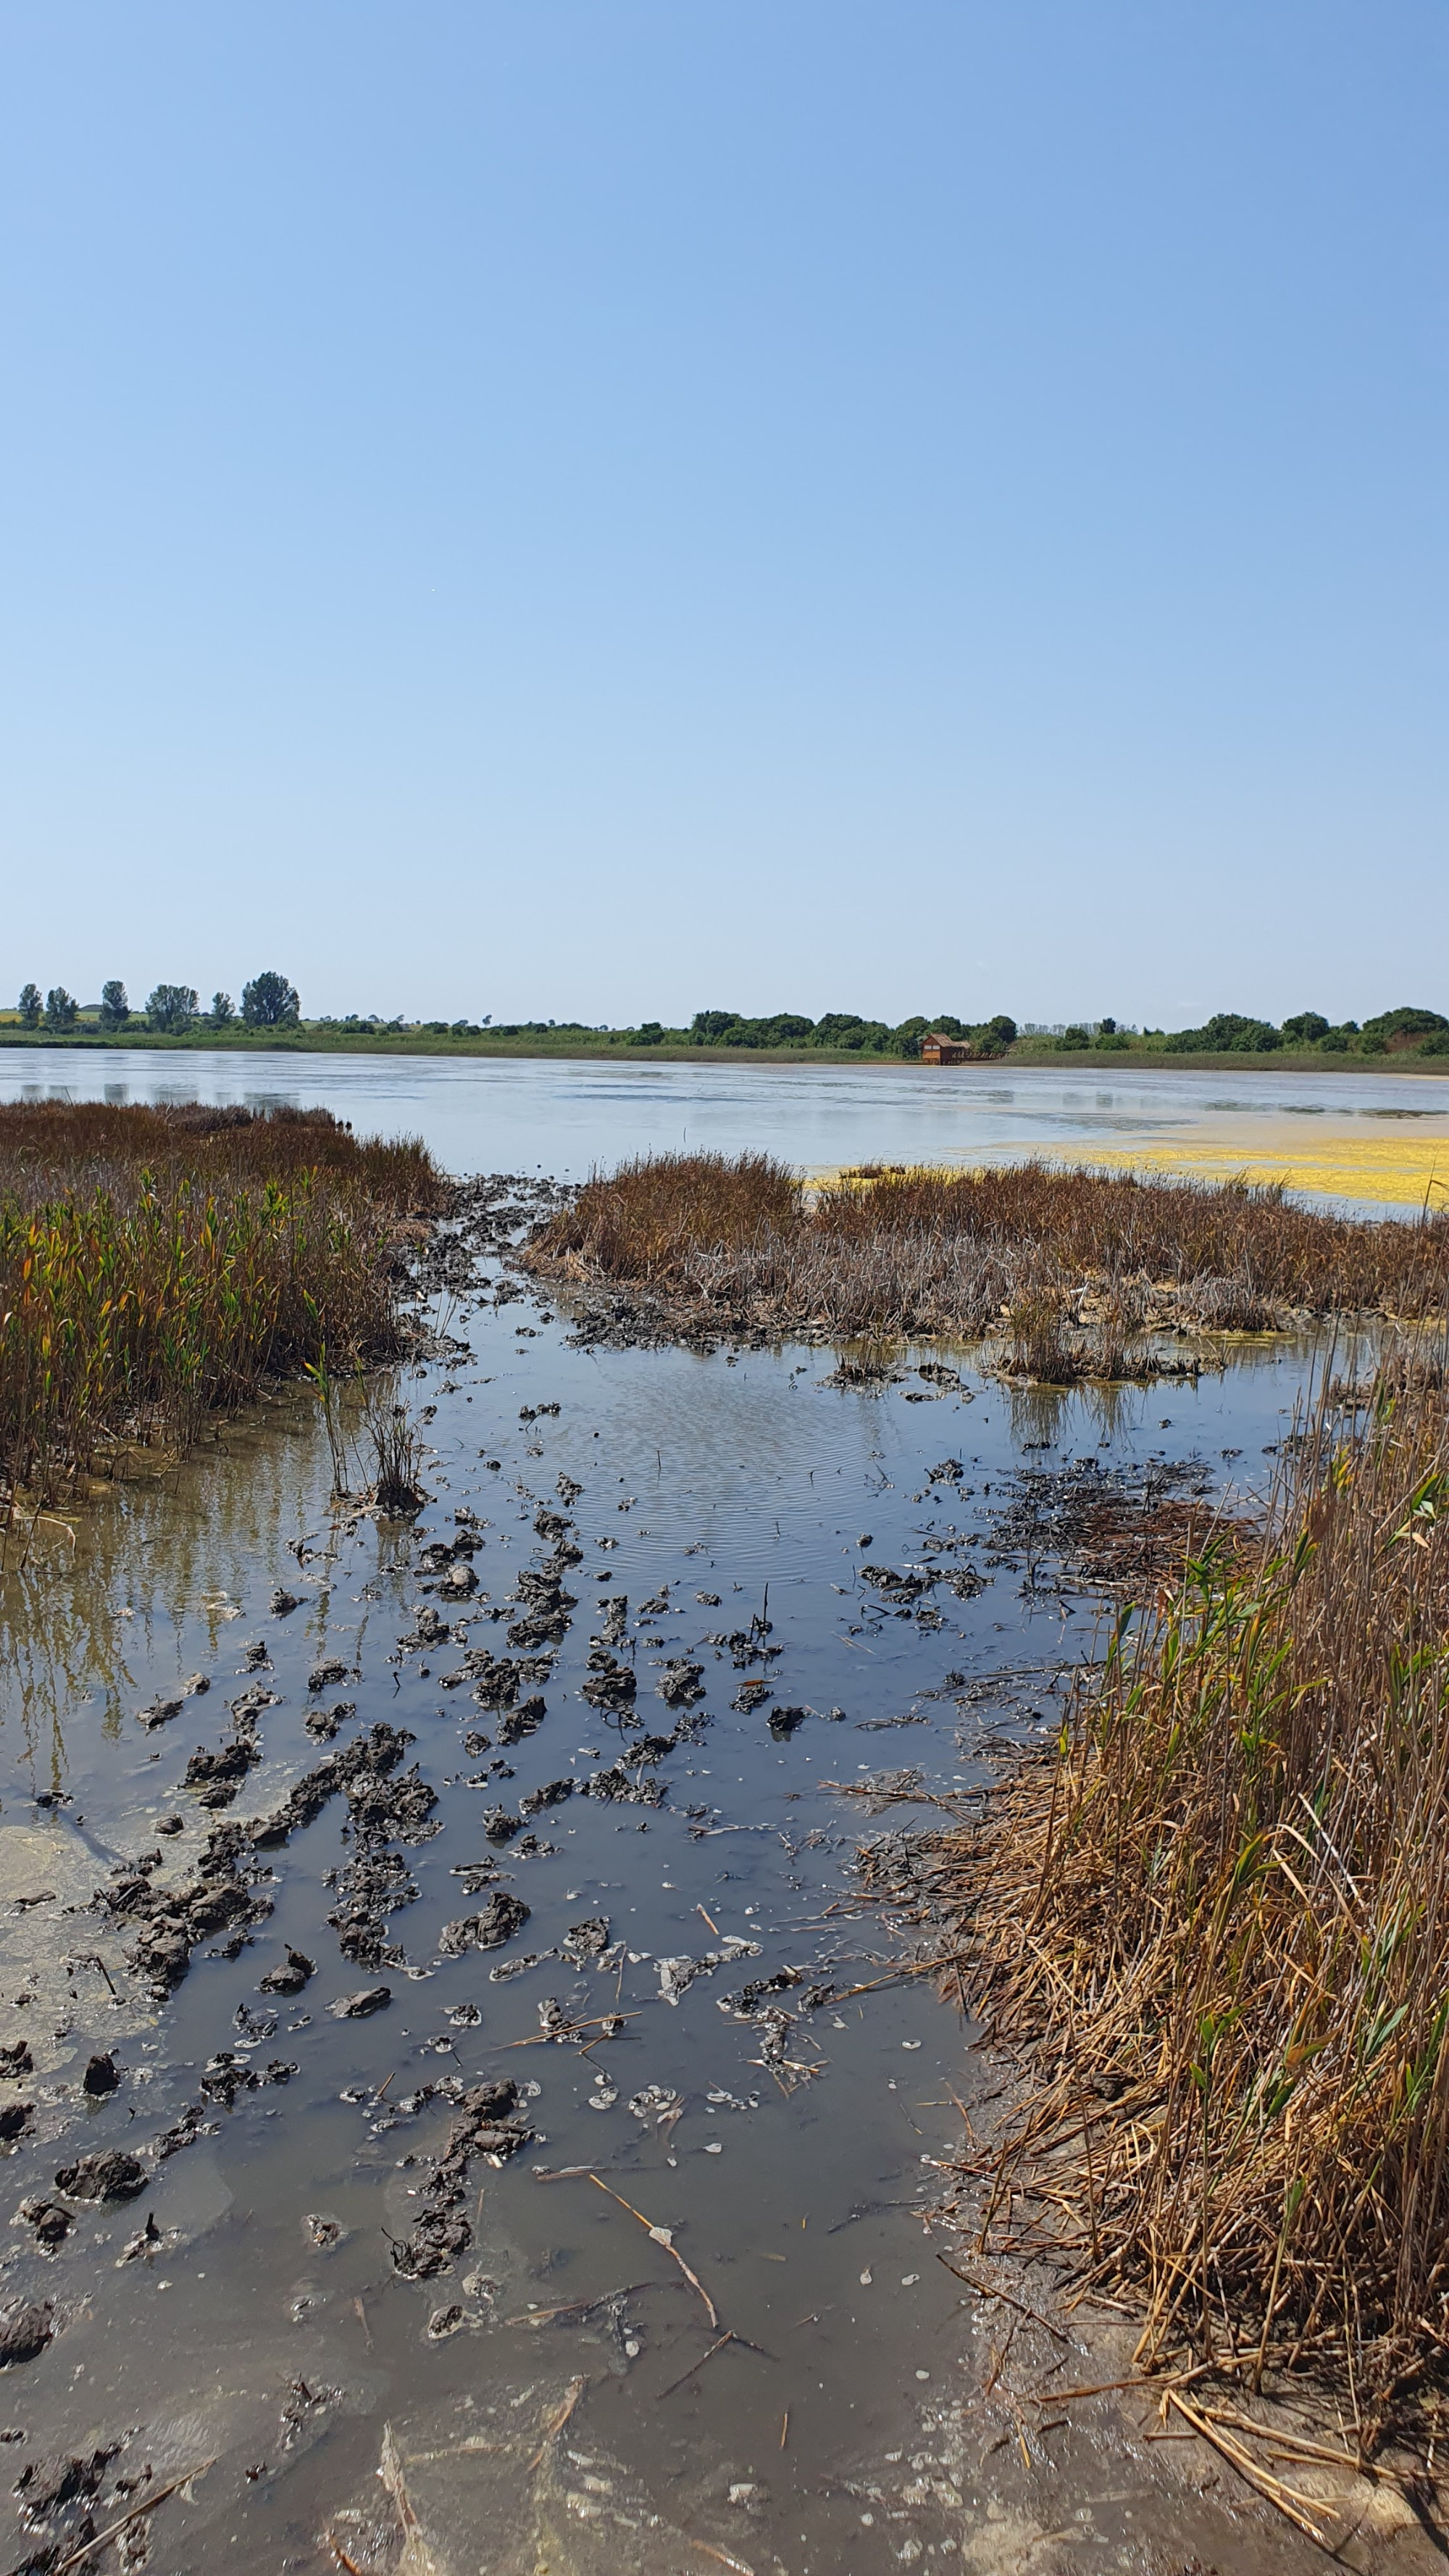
{"x": 936, "y": 1048}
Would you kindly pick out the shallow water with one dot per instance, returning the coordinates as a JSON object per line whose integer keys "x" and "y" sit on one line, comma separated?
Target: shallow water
{"x": 804, "y": 2151}
{"x": 1365, "y": 1139}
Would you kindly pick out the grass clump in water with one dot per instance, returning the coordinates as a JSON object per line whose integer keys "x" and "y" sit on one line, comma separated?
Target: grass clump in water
{"x": 1214, "y": 1923}
{"x": 158, "y": 1264}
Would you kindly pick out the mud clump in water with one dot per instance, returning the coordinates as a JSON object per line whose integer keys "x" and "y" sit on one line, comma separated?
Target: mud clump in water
{"x": 291, "y": 1977}
{"x": 360, "y": 2007}
{"x": 52, "y": 2223}
{"x": 25, "y": 2332}
{"x": 171, "y": 1921}
{"x": 500, "y": 1918}
{"x": 441, "y": 2232}
{"x": 110, "y": 2175}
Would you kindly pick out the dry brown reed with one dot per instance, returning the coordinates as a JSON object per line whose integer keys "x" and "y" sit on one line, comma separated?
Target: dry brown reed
{"x": 158, "y": 1264}
{"x": 879, "y": 1252}
{"x": 1213, "y": 1923}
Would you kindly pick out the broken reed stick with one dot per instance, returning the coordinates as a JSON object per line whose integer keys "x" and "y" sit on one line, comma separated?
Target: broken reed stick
{"x": 662, "y": 2236}
{"x": 350, "y": 2565}
{"x": 100, "y": 2539}
{"x": 573, "y": 2307}
{"x": 909, "y": 1968}
{"x": 717, "y": 2346}
{"x": 559, "y": 2419}
{"x": 987, "y": 2290}
{"x": 724, "y": 2558}
{"x": 1295, "y": 2508}
{"x": 547, "y": 2038}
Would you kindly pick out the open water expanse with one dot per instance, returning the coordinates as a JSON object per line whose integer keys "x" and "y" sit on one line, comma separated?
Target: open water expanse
{"x": 676, "y": 2302}
{"x": 1356, "y": 1133}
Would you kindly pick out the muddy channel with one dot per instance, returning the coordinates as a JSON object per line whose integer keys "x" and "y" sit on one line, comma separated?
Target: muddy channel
{"x": 462, "y": 2114}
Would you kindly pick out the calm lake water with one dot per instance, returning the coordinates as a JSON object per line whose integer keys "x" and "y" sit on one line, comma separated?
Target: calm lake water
{"x": 528, "y": 1116}
{"x": 560, "y": 2397}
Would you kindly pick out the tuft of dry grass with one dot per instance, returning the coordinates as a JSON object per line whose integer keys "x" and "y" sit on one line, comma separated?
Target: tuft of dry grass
{"x": 157, "y": 1264}
{"x": 1213, "y": 1924}
{"x": 1080, "y": 1265}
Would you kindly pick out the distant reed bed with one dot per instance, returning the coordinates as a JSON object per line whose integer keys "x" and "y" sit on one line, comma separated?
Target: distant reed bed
{"x": 1078, "y": 1264}
{"x": 1213, "y": 1921}
{"x": 159, "y": 1264}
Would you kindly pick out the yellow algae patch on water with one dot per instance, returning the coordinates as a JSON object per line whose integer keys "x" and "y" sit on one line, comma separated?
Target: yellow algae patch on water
{"x": 1387, "y": 1171}
{"x": 1369, "y": 1171}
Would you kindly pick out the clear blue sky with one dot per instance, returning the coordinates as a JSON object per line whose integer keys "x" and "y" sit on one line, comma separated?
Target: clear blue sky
{"x": 593, "y": 508}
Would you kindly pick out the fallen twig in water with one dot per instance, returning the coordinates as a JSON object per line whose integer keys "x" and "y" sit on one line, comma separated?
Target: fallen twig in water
{"x": 573, "y": 2307}
{"x": 988, "y": 2290}
{"x": 100, "y": 2539}
{"x": 664, "y": 2236}
{"x": 724, "y": 2558}
{"x": 727, "y": 2337}
{"x": 558, "y": 2419}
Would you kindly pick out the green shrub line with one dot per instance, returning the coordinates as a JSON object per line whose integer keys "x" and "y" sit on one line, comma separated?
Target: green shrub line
{"x": 1408, "y": 1039}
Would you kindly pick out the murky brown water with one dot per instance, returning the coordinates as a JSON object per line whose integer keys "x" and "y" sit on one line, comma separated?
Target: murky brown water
{"x": 560, "y": 2396}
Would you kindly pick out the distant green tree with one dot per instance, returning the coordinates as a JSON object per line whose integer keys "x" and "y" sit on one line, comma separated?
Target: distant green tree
{"x": 649, "y": 1033}
{"x": 60, "y": 1009}
{"x": 1075, "y": 1040}
{"x": 223, "y": 1011}
{"x": 707, "y": 1028}
{"x": 115, "y": 1009}
{"x": 994, "y": 1036}
{"x": 906, "y": 1040}
{"x": 171, "y": 1008}
{"x": 270, "y": 1002}
{"x": 1305, "y": 1028}
{"x": 1106, "y": 1028}
{"x": 1408, "y": 1021}
{"x": 30, "y": 1005}
{"x": 1226, "y": 1033}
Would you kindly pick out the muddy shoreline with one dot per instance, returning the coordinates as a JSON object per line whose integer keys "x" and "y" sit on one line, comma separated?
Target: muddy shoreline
{"x": 508, "y": 1858}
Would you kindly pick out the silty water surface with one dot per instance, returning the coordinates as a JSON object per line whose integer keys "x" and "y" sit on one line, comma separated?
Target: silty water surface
{"x": 563, "y": 1117}
{"x": 722, "y": 1491}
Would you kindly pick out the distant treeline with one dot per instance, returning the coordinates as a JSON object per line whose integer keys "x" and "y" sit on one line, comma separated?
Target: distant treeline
{"x": 1403, "y": 1031}
{"x": 270, "y": 1002}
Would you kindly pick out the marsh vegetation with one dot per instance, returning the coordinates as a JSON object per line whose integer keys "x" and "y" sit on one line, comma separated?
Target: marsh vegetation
{"x": 157, "y": 1265}
{"x": 1211, "y": 1921}
{"x": 1075, "y": 1270}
